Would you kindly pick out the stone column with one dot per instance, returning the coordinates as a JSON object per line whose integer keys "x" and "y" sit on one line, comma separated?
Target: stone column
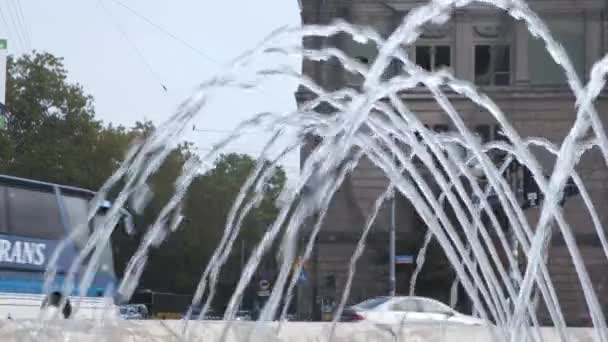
{"x": 522, "y": 75}
{"x": 463, "y": 47}
{"x": 593, "y": 43}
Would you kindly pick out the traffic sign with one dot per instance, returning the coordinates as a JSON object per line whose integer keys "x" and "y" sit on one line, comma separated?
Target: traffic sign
{"x": 302, "y": 277}
{"x": 264, "y": 284}
{"x": 404, "y": 259}
{"x": 264, "y": 293}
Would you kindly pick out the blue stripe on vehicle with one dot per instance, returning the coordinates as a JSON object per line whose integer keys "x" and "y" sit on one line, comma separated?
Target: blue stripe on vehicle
{"x": 35, "y": 287}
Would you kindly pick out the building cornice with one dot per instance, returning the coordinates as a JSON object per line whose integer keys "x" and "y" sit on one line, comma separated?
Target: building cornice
{"x": 536, "y": 5}
{"x": 496, "y": 93}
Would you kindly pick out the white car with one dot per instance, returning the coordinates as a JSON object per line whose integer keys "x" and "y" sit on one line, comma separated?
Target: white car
{"x": 134, "y": 311}
{"x": 398, "y": 310}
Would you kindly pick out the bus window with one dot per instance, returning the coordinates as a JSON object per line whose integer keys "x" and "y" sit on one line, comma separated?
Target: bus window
{"x": 77, "y": 210}
{"x": 107, "y": 261}
{"x": 3, "y": 218}
{"x": 33, "y": 214}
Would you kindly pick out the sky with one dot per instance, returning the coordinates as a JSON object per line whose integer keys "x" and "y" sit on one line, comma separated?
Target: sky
{"x": 124, "y": 60}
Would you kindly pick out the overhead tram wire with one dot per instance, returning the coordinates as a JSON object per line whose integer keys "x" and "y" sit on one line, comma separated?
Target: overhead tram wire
{"x": 181, "y": 41}
{"x": 18, "y": 29}
{"x": 20, "y": 23}
{"x": 10, "y": 30}
{"x": 224, "y": 131}
{"x": 26, "y": 26}
{"x": 167, "y": 32}
{"x": 242, "y": 149}
{"x": 132, "y": 44}
{"x": 177, "y": 38}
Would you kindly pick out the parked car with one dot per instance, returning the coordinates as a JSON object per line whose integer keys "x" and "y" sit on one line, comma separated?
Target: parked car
{"x": 243, "y": 315}
{"x": 396, "y": 310}
{"x": 210, "y": 315}
{"x": 133, "y": 311}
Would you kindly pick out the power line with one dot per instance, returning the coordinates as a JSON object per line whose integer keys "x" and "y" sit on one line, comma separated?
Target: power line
{"x": 16, "y": 25}
{"x": 9, "y": 29}
{"x": 176, "y": 38}
{"x": 165, "y": 31}
{"x": 28, "y": 31}
{"x": 224, "y": 131}
{"x": 132, "y": 44}
{"x": 19, "y": 22}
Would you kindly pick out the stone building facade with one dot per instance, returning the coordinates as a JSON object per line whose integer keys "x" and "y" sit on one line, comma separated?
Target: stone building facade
{"x": 489, "y": 48}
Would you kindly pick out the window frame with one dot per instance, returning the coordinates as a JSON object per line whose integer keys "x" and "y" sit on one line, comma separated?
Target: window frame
{"x": 4, "y": 226}
{"x": 492, "y": 66}
{"x": 433, "y": 47}
{"x": 8, "y": 207}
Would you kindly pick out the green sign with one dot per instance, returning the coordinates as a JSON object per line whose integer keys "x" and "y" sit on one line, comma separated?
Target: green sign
{"x": 3, "y": 44}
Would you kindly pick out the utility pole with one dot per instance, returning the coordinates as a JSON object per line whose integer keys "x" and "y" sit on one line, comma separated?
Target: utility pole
{"x": 242, "y": 255}
{"x": 392, "y": 231}
{"x": 392, "y": 281}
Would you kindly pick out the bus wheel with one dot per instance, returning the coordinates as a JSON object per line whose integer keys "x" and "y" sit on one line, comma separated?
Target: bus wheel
{"x": 54, "y": 299}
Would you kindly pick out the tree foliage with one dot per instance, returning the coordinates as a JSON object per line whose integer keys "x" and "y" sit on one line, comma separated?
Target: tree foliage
{"x": 52, "y": 135}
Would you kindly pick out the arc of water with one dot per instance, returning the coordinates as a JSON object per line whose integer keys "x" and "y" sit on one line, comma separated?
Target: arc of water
{"x": 325, "y": 167}
{"x": 462, "y": 128}
{"x": 559, "y": 181}
{"x": 325, "y": 188}
{"x": 467, "y": 90}
{"x": 297, "y": 216}
{"x": 388, "y": 193}
{"x": 103, "y": 230}
{"x": 307, "y": 252}
{"x": 287, "y": 197}
{"x": 202, "y": 284}
{"x": 428, "y": 236}
{"x": 398, "y": 104}
{"x": 51, "y": 271}
{"x": 136, "y": 261}
{"x": 422, "y": 153}
{"x": 236, "y": 222}
{"x": 597, "y": 224}
{"x": 463, "y": 194}
{"x": 429, "y": 216}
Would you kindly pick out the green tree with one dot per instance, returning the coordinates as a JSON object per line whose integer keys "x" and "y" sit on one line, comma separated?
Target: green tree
{"x": 52, "y": 132}
{"x": 187, "y": 251}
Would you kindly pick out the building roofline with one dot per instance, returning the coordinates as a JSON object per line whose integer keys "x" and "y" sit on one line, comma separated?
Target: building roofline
{"x": 30, "y": 183}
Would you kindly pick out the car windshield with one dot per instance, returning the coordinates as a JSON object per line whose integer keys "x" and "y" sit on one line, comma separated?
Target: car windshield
{"x": 371, "y": 303}
{"x": 420, "y": 305}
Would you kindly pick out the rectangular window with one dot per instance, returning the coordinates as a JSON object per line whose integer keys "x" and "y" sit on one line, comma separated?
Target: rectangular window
{"x": 433, "y": 58}
{"x": 483, "y": 131}
{"x": 34, "y": 214}
{"x": 493, "y": 65}
{"x": 3, "y": 216}
{"x": 77, "y": 210}
{"x": 441, "y": 128}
